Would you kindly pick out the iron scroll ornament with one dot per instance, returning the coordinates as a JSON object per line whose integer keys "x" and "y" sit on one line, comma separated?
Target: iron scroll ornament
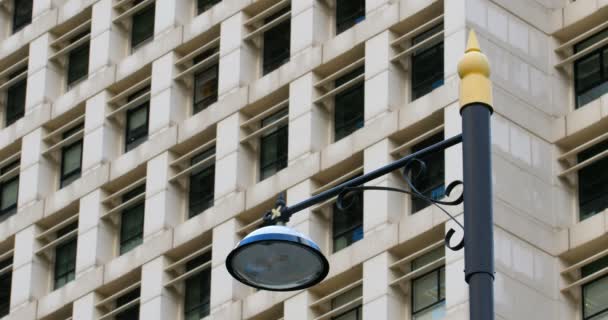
{"x": 347, "y": 196}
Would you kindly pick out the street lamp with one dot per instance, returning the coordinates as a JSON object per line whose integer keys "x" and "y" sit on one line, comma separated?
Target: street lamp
{"x": 278, "y": 258}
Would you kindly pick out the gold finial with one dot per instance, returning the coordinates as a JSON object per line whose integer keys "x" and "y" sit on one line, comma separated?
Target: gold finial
{"x": 474, "y": 72}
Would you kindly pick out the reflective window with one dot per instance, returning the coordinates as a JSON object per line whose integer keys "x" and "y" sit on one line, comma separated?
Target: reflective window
{"x": 198, "y": 289}
{"x": 137, "y": 123}
{"x": 427, "y": 63}
{"x": 349, "y": 13}
{"x": 349, "y": 106}
{"x": 347, "y": 224}
{"x": 591, "y": 71}
{"x": 595, "y": 293}
{"x": 5, "y": 287}
{"x": 131, "y": 313}
{"x": 428, "y": 290}
{"x": 78, "y": 61}
{"x": 276, "y": 43}
{"x": 202, "y": 184}
{"x": 132, "y": 221}
{"x": 593, "y": 182}
{"x": 351, "y": 314}
{"x": 15, "y": 100}
{"x": 22, "y": 14}
{"x": 204, "y": 5}
{"x": 9, "y": 192}
{"x": 71, "y": 158}
{"x": 273, "y": 146}
{"x": 142, "y": 28}
{"x": 65, "y": 258}
{"x": 205, "y": 84}
{"x": 431, "y": 182}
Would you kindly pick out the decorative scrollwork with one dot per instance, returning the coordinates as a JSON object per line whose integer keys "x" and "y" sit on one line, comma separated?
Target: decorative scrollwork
{"x": 348, "y": 195}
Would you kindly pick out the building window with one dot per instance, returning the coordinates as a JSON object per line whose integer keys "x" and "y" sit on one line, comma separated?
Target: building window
{"x": 65, "y": 258}
{"x": 205, "y": 83}
{"x": 428, "y": 290}
{"x": 132, "y": 221}
{"x": 9, "y": 191}
{"x": 347, "y": 224}
{"x": 202, "y": 184}
{"x": 71, "y": 158}
{"x": 427, "y": 63}
{"x": 198, "y": 289}
{"x": 15, "y": 99}
{"x": 137, "y": 122}
{"x": 22, "y": 14}
{"x": 595, "y": 293}
{"x": 276, "y": 42}
{"x": 431, "y": 183}
{"x": 591, "y": 71}
{"x": 78, "y": 61}
{"x": 273, "y": 145}
{"x": 131, "y": 313}
{"x": 142, "y": 28}
{"x": 593, "y": 182}
{"x": 347, "y": 297}
{"x": 349, "y": 13}
{"x": 349, "y": 106}
{"x": 6, "y": 278}
{"x": 204, "y": 5}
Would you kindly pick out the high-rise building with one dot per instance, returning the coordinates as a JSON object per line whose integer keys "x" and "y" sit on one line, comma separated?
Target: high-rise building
{"x": 140, "y": 140}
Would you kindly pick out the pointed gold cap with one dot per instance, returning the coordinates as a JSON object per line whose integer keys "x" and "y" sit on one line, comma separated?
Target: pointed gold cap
{"x": 474, "y": 72}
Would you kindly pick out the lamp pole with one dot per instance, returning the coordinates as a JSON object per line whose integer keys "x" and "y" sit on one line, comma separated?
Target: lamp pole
{"x": 476, "y": 109}
{"x": 278, "y": 258}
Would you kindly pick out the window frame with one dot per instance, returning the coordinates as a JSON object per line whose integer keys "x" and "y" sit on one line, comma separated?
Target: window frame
{"x": 439, "y": 300}
{"x": 8, "y": 277}
{"x": 603, "y": 66}
{"x": 130, "y": 211}
{"x": 202, "y": 104}
{"x": 189, "y": 284}
{"x": 582, "y": 156}
{"x": 604, "y": 311}
{"x": 125, "y": 299}
{"x": 355, "y": 123}
{"x": 352, "y": 229}
{"x": 138, "y": 43}
{"x": 66, "y": 178}
{"x": 281, "y": 162}
{"x": 85, "y": 50}
{"x": 416, "y": 89}
{"x": 9, "y": 211}
{"x": 270, "y": 64}
{"x": 350, "y": 21}
{"x": 192, "y": 212}
{"x": 18, "y": 27}
{"x": 417, "y": 147}
{"x": 10, "y": 95}
{"x": 203, "y": 6}
{"x": 70, "y": 274}
{"x": 137, "y": 138}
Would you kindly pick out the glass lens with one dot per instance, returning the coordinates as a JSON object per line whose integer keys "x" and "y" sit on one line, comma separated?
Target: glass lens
{"x": 277, "y": 265}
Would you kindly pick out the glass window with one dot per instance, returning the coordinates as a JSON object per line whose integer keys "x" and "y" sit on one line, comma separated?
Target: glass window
{"x": 352, "y": 314}
{"x": 427, "y": 64}
{"x": 5, "y": 287}
{"x": 198, "y": 289}
{"x": 202, "y": 184}
{"x": 595, "y": 293}
{"x": 65, "y": 258}
{"x": 15, "y": 100}
{"x": 204, "y": 5}
{"x": 137, "y": 123}
{"x": 132, "y": 221}
{"x": 205, "y": 84}
{"x": 431, "y": 183}
{"x": 349, "y": 106}
{"x": 142, "y": 28}
{"x": 78, "y": 61}
{"x": 428, "y": 290}
{"x": 347, "y": 225}
{"x": 593, "y": 182}
{"x": 276, "y": 43}
{"x": 9, "y": 192}
{"x": 273, "y": 146}
{"x": 591, "y": 71}
{"x": 131, "y": 313}
{"x": 349, "y": 13}
{"x": 22, "y": 14}
{"x": 71, "y": 158}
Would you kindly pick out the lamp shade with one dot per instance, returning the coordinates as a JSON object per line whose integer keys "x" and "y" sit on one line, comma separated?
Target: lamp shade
{"x": 277, "y": 258}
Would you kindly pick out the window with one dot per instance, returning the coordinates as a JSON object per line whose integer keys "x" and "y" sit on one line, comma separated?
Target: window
{"x": 428, "y": 290}
{"x": 427, "y": 62}
{"x": 205, "y": 83}
{"x": 431, "y": 183}
{"x": 71, "y": 158}
{"x": 273, "y": 146}
{"x": 65, "y": 258}
{"x": 591, "y": 71}
{"x": 276, "y": 42}
{"x": 137, "y": 122}
{"x": 202, "y": 184}
{"x": 9, "y": 191}
{"x": 22, "y": 14}
{"x": 595, "y": 293}
{"x": 198, "y": 289}
{"x": 204, "y": 5}
{"x": 593, "y": 182}
{"x": 78, "y": 61}
{"x": 347, "y": 297}
{"x": 347, "y": 227}
{"x": 348, "y": 110}
{"x": 349, "y": 13}
{"x": 132, "y": 221}
{"x": 15, "y": 99}
{"x": 142, "y": 28}
{"x": 131, "y": 313}
{"x": 6, "y": 278}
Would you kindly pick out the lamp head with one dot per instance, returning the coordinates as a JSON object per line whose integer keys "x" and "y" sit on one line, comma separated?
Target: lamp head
{"x": 277, "y": 258}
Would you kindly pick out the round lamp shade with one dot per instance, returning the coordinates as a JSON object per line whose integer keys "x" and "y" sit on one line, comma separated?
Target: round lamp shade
{"x": 277, "y": 258}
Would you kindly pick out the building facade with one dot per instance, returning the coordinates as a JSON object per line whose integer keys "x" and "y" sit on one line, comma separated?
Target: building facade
{"x": 140, "y": 140}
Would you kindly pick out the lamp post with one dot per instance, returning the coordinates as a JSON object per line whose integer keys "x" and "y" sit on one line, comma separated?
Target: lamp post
{"x": 278, "y": 258}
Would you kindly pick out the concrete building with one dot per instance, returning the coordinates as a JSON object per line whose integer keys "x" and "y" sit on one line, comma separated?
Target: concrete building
{"x": 142, "y": 139}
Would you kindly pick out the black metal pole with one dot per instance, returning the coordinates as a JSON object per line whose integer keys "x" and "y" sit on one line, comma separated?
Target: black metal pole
{"x": 476, "y": 109}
